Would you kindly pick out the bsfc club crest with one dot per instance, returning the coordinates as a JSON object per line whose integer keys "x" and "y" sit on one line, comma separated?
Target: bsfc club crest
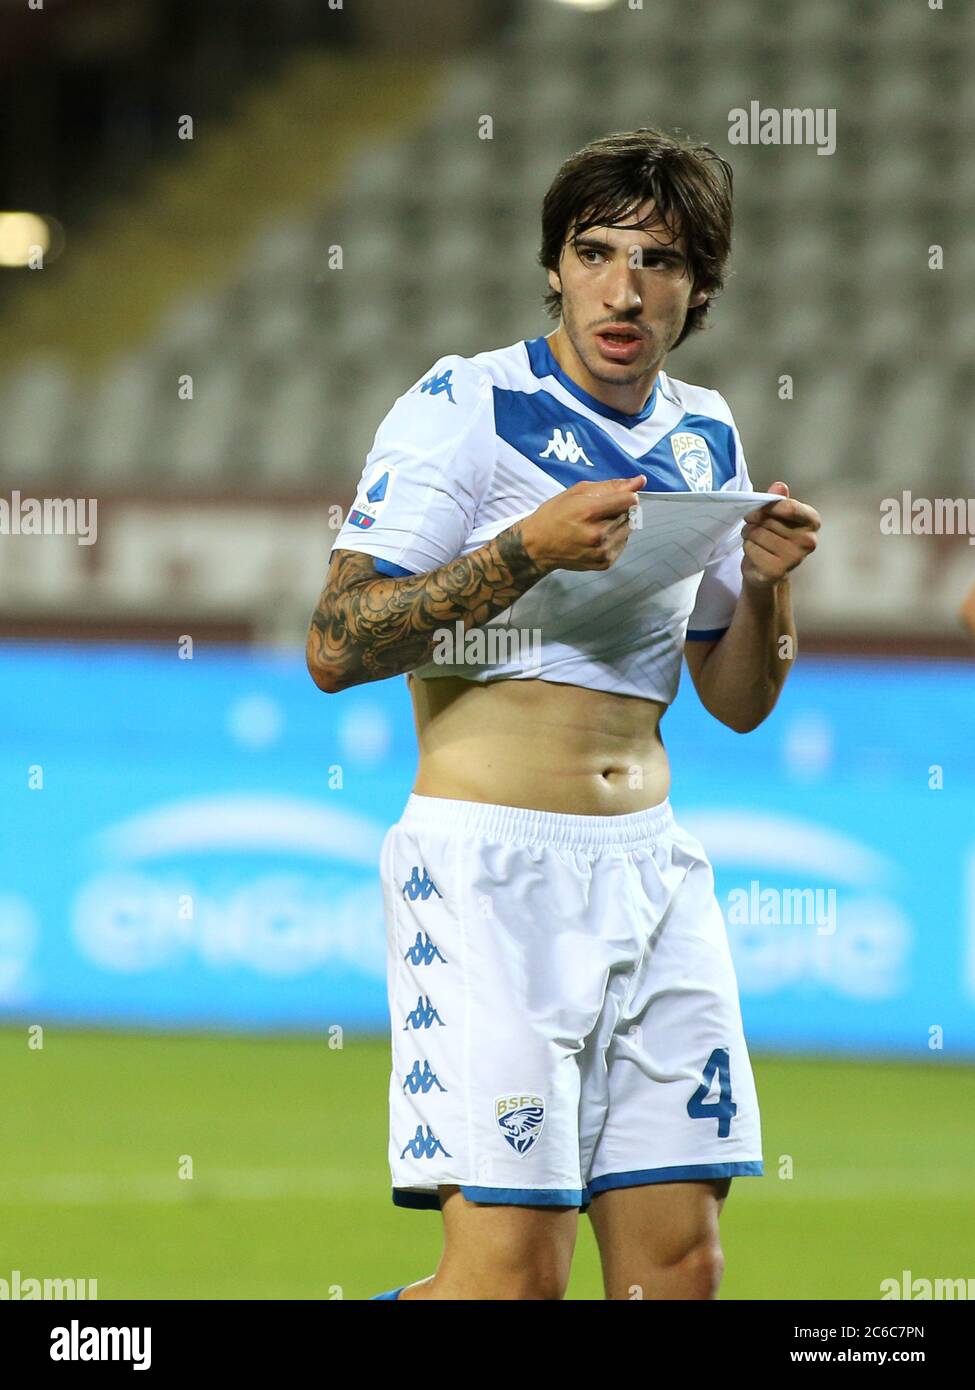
{"x": 694, "y": 460}
{"x": 520, "y": 1120}
{"x": 374, "y": 496}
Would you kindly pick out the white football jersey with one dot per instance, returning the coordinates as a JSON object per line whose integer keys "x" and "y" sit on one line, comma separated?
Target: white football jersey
{"x": 481, "y": 442}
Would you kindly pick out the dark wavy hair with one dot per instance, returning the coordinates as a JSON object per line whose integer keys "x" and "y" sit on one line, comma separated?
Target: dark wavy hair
{"x": 602, "y": 184}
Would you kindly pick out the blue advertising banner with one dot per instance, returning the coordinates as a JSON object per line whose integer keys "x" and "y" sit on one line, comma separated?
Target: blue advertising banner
{"x": 195, "y": 843}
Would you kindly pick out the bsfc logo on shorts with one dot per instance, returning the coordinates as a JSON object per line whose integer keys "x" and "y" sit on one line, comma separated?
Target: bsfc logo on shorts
{"x": 693, "y": 459}
{"x": 520, "y": 1120}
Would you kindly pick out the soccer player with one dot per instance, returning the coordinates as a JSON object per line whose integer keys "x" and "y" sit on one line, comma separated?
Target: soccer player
{"x": 566, "y": 1026}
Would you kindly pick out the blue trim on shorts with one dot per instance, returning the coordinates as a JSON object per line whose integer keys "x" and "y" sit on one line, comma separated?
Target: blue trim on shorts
{"x": 525, "y": 1196}
{"x": 577, "y": 1197}
{"x": 637, "y": 1177}
{"x": 706, "y": 634}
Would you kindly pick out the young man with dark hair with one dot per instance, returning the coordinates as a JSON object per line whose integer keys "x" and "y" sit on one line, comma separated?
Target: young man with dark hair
{"x": 566, "y": 1026}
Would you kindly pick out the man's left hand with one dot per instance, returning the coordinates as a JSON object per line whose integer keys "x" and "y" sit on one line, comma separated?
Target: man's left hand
{"x": 777, "y": 537}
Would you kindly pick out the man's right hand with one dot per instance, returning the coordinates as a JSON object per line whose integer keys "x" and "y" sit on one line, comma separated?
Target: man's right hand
{"x": 368, "y": 626}
{"x": 583, "y": 528}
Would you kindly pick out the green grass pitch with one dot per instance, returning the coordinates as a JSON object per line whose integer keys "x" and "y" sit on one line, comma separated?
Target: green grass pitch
{"x": 289, "y": 1196}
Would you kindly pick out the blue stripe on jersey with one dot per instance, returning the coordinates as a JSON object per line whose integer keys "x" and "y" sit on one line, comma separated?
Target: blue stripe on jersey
{"x": 543, "y": 364}
{"x": 528, "y": 421}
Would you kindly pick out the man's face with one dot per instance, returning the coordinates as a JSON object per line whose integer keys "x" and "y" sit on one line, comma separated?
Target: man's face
{"x": 625, "y": 297}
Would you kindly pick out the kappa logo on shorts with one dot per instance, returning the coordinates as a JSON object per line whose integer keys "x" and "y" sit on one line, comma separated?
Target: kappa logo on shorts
{"x": 417, "y": 1080}
{"x": 424, "y": 1145}
{"x": 520, "y": 1120}
{"x": 423, "y": 1015}
{"x": 423, "y": 951}
{"x": 417, "y": 887}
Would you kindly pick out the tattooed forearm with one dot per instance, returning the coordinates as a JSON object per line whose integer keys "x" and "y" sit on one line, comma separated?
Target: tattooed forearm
{"x": 367, "y": 626}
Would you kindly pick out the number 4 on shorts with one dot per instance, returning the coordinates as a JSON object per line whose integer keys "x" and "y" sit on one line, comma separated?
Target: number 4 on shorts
{"x": 723, "y": 1109}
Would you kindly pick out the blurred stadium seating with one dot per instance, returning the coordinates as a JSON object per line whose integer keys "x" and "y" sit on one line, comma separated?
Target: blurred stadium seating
{"x": 221, "y": 264}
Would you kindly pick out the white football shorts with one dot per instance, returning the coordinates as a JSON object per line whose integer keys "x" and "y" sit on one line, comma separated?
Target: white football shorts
{"x": 564, "y": 1007}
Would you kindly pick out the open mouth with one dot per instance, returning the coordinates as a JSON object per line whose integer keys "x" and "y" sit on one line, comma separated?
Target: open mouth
{"x": 620, "y": 344}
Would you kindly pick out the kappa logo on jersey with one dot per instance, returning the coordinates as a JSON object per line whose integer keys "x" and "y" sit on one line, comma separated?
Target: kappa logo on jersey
{"x": 370, "y": 503}
{"x": 565, "y": 449}
{"x": 417, "y": 887}
{"x": 437, "y": 385}
{"x": 520, "y": 1120}
{"x": 422, "y": 1015}
{"x": 423, "y": 951}
{"x": 417, "y": 1080}
{"x": 424, "y": 1145}
{"x": 693, "y": 459}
